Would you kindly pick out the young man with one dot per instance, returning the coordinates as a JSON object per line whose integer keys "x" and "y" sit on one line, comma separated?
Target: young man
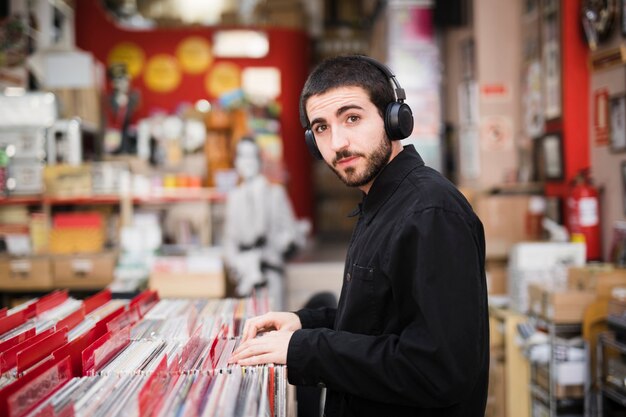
{"x": 410, "y": 335}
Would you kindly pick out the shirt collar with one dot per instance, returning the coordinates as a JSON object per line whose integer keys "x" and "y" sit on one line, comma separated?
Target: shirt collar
{"x": 388, "y": 181}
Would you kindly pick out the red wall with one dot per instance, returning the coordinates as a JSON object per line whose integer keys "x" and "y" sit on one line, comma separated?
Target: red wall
{"x": 574, "y": 122}
{"x": 288, "y": 51}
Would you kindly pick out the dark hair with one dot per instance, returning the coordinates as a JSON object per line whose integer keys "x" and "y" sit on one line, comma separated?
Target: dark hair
{"x": 352, "y": 71}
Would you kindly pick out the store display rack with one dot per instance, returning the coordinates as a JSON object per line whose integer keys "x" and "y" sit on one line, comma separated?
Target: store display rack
{"x": 611, "y": 385}
{"x": 549, "y": 398}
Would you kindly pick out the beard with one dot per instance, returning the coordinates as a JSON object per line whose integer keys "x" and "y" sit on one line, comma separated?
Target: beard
{"x": 375, "y": 162}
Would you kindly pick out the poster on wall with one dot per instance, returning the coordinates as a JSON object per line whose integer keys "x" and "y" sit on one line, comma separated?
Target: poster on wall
{"x": 601, "y": 127}
{"x": 532, "y": 101}
{"x": 414, "y": 57}
{"x": 496, "y": 133}
{"x": 617, "y": 112}
{"x": 552, "y": 149}
{"x": 495, "y": 93}
{"x": 551, "y": 52}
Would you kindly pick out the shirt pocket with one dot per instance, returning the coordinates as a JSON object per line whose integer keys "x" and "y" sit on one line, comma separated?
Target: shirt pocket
{"x": 361, "y": 273}
{"x": 360, "y": 307}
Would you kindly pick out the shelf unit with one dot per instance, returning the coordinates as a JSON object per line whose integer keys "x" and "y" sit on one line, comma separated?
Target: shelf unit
{"x": 607, "y": 391}
{"x": 126, "y": 202}
{"x": 503, "y": 330}
{"x": 557, "y": 399}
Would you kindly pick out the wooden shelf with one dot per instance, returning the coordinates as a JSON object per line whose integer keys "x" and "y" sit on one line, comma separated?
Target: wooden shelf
{"x": 503, "y": 324}
{"x": 164, "y": 196}
{"x": 20, "y": 200}
{"x": 181, "y": 195}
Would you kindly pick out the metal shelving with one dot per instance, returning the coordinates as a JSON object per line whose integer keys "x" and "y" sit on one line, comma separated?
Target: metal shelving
{"x": 605, "y": 389}
{"x": 556, "y": 403}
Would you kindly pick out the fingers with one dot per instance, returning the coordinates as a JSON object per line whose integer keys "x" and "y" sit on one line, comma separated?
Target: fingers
{"x": 250, "y": 329}
{"x": 257, "y": 325}
{"x": 248, "y": 351}
{"x": 256, "y": 360}
{"x": 271, "y": 348}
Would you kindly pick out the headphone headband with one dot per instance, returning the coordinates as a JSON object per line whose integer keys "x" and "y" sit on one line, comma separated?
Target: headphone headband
{"x": 400, "y": 94}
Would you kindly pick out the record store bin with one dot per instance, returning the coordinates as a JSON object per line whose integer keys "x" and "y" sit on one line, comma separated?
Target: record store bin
{"x": 148, "y": 356}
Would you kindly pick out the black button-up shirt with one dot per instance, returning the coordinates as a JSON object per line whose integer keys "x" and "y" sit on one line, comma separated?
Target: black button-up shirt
{"x": 410, "y": 336}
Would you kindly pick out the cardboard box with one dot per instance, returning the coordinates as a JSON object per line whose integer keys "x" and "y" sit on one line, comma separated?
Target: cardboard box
{"x": 28, "y": 273}
{"x": 569, "y": 379}
{"x": 566, "y": 306}
{"x": 559, "y": 305}
{"x": 600, "y": 279}
{"x": 540, "y": 262}
{"x": 188, "y": 285}
{"x": 504, "y": 220}
{"x": 536, "y": 298}
{"x": 195, "y": 275}
{"x": 76, "y": 240}
{"x": 85, "y": 271}
{"x": 496, "y": 271}
{"x": 67, "y": 180}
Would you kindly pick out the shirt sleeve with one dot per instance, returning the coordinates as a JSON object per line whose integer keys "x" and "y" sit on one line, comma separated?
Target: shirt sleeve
{"x": 436, "y": 266}
{"x": 317, "y": 318}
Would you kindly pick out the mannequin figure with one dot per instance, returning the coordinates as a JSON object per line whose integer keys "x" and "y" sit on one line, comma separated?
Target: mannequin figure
{"x": 260, "y": 229}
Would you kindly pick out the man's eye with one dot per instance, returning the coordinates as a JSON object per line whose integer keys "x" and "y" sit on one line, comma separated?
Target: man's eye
{"x": 353, "y": 119}
{"x": 319, "y": 128}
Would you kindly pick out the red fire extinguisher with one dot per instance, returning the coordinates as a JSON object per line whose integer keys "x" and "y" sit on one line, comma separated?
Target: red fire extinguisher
{"x": 583, "y": 213}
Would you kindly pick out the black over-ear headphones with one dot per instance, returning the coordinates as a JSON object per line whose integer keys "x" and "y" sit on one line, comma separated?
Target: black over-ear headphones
{"x": 398, "y": 115}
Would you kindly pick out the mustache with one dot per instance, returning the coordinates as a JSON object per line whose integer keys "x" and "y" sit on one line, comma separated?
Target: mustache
{"x": 344, "y": 154}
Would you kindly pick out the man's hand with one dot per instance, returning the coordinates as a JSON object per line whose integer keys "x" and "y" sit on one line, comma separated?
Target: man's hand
{"x": 277, "y": 329}
{"x": 268, "y": 322}
{"x": 269, "y": 348}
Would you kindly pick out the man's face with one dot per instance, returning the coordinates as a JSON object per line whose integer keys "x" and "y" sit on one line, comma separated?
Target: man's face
{"x": 247, "y": 161}
{"x": 350, "y": 134}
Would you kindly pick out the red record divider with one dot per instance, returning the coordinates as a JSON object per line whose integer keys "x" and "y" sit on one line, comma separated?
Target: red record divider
{"x": 99, "y": 352}
{"x": 8, "y": 359}
{"x": 34, "y": 387}
{"x": 9, "y": 343}
{"x": 97, "y": 300}
{"x": 37, "y": 352}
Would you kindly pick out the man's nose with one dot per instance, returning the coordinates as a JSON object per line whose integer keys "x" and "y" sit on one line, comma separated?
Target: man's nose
{"x": 339, "y": 139}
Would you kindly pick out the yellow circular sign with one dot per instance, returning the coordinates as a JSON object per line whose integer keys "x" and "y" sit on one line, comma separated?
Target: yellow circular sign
{"x": 129, "y": 54}
{"x": 194, "y": 54}
{"x": 162, "y": 73}
{"x": 224, "y": 77}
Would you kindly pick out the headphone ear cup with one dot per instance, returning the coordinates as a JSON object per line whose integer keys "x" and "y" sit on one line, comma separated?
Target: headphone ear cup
{"x": 309, "y": 138}
{"x": 398, "y": 121}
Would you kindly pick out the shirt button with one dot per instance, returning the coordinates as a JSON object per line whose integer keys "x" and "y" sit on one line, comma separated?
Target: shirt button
{"x": 348, "y": 277}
